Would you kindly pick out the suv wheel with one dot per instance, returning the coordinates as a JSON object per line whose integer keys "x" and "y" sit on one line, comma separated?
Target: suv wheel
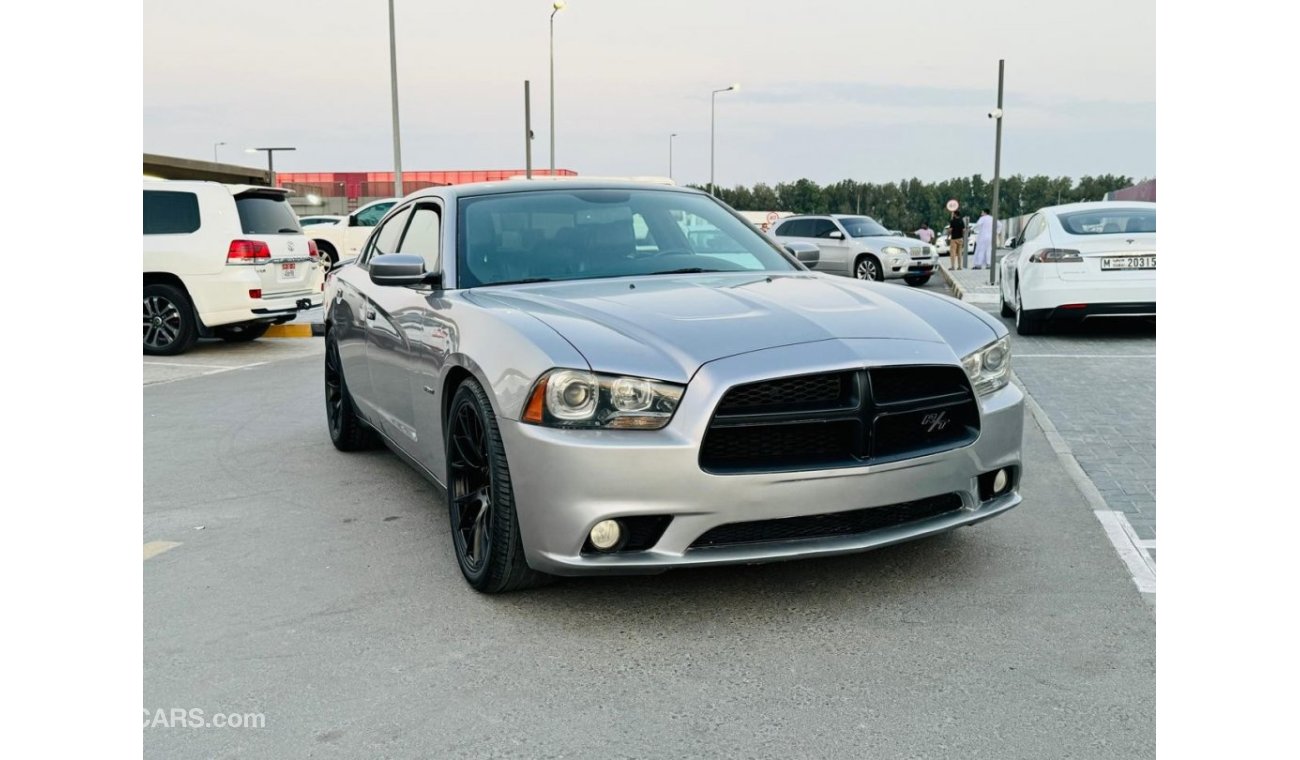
{"x": 169, "y": 325}
{"x": 868, "y": 268}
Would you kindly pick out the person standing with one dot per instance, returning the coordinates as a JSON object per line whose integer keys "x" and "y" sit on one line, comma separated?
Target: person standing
{"x": 925, "y": 233}
{"x": 983, "y": 229}
{"x": 956, "y": 239}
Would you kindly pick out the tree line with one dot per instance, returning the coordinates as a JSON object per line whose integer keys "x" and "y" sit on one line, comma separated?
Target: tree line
{"x": 903, "y": 205}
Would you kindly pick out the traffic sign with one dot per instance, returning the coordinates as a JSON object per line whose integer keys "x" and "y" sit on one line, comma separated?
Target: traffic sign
{"x": 953, "y": 205}
{"x": 772, "y": 216}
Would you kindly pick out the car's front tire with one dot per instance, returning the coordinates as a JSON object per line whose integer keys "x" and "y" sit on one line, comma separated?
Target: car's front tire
{"x": 867, "y": 267}
{"x": 347, "y": 431}
{"x": 916, "y": 280}
{"x": 480, "y": 498}
{"x": 241, "y": 333}
{"x": 170, "y": 327}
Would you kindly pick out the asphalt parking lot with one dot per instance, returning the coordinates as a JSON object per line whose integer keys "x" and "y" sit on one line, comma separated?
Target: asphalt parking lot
{"x": 319, "y": 589}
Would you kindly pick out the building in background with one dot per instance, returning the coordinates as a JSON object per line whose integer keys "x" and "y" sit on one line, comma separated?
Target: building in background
{"x": 1142, "y": 191}
{"x": 344, "y": 192}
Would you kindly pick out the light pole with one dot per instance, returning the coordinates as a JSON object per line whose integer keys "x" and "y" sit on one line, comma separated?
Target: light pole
{"x": 214, "y": 151}
{"x": 397, "y": 132}
{"x": 670, "y": 154}
{"x": 270, "y": 161}
{"x": 556, "y": 7}
{"x": 997, "y": 168}
{"x": 713, "y": 109}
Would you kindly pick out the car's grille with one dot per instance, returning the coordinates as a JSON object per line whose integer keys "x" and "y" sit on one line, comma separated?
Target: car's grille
{"x": 852, "y": 523}
{"x": 920, "y": 252}
{"x": 840, "y": 419}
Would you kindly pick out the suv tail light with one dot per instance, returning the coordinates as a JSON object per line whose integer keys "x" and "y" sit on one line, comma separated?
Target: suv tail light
{"x": 248, "y": 252}
{"x": 312, "y": 251}
{"x": 1055, "y": 256}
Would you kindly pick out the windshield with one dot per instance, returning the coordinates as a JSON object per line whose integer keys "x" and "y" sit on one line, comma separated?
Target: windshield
{"x": 862, "y": 226}
{"x": 1109, "y": 221}
{"x": 585, "y": 234}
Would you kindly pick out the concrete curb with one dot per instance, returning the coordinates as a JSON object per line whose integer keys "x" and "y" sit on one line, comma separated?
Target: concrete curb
{"x": 953, "y": 285}
{"x": 289, "y": 330}
{"x": 1142, "y": 569}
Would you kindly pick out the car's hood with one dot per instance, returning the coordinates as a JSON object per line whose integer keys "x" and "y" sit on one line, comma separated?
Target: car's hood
{"x": 877, "y": 242}
{"x": 666, "y": 326}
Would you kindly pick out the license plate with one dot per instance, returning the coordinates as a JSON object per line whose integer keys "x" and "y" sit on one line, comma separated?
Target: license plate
{"x": 289, "y": 271}
{"x": 1128, "y": 262}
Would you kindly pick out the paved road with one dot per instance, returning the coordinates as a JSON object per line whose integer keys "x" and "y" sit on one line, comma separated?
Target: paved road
{"x": 321, "y": 592}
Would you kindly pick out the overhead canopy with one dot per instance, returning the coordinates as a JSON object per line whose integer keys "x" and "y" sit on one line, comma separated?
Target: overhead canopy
{"x": 170, "y": 167}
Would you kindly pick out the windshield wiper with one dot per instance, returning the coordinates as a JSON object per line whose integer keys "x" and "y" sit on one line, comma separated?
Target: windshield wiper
{"x": 688, "y": 270}
{"x": 524, "y": 281}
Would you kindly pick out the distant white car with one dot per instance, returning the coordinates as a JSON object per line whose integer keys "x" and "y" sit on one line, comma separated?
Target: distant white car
{"x": 858, "y": 246}
{"x": 222, "y": 260}
{"x": 343, "y": 240}
{"x": 1080, "y": 261}
{"x": 311, "y": 221}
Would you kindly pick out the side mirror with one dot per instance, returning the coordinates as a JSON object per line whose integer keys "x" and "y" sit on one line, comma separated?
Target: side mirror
{"x": 401, "y": 270}
{"x": 352, "y": 220}
{"x": 836, "y": 235}
{"x": 807, "y": 253}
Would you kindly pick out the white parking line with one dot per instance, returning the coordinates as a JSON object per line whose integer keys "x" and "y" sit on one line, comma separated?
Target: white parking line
{"x": 154, "y": 548}
{"x": 187, "y": 364}
{"x": 217, "y": 371}
{"x": 1083, "y": 356}
{"x": 1128, "y": 546}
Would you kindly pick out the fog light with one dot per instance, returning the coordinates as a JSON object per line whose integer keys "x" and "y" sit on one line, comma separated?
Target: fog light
{"x": 1000, "y": 482}
{"x": 606, "y": 534}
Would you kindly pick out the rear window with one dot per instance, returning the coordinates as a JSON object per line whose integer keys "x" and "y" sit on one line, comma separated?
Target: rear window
{"x": 170, "y": 213}
{"x": 263, "y": 215}
{"x": 1111, "y": 221}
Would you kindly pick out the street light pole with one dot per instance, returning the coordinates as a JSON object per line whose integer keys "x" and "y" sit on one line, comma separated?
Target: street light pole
{"x": 670, "y": 154}
{"x": 270, "y": 161}
{"x": 397, "y": 132}
{"x": 713, "y": 110}
{"x": 214, "y": 151}
{"x": 997, "y": 178}
{"x": 556, "y": 7}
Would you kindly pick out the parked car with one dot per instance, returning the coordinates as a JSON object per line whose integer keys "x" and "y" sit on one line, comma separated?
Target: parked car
{"x": 1081, "y": 261}
{"x": 594, "y": 406}
{"x": 222, "y": 260}
{"x": 344, "y": 239}
{"x": 858, "y": 246}
{"x": 311, "y": 221}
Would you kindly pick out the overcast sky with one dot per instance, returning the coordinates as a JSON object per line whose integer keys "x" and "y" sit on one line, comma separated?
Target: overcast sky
{"x": 872, "y": 91}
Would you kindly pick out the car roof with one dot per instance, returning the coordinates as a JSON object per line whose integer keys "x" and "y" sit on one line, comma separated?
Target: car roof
{"x": 452, "y": 192}
{"x": 1066, "y": 208}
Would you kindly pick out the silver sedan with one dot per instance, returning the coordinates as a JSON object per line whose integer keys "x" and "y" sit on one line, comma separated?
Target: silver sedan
{"x": 598, "y": 395}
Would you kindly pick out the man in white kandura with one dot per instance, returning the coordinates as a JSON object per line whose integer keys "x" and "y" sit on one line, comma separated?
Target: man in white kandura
{"x": 983, "y": 229}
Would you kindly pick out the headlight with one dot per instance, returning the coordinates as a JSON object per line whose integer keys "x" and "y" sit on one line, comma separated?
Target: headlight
{"x": 893, "y": 250}
{"x": 990, "y": 367}
{"x": 582, "y": 399}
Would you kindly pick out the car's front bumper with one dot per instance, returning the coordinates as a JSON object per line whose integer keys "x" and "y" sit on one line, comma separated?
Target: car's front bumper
{"x": 565, "y": 481}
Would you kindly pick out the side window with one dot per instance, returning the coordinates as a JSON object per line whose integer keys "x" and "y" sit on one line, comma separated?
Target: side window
{"x": 369, "y": 217}
{"x": 822, "y": 228}
{"x": 1035, "y": 226}
{"x": 385, "y": 239}
{"x": 170, "y": 213}
{"x": 422, "y": 236}
{"x": 789, "y": 229}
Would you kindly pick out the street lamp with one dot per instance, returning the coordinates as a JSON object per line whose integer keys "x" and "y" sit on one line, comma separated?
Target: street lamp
{"x": 397, "y": 133}
{"x": 270, "y": 161}
{"x": 214, "y": 151}
{"x": 713, "y": 108}
{"x": 996, "y": 114}
{"x": 670, "y": 154}
{"x": 556, "y": 7}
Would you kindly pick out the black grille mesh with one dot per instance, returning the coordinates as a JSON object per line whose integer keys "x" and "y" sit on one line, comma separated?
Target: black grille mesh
{"x": 761, "y": 445}
{"x": 850, "y": 523}
{"x": 788, "y": 391}
{"x": 893, "y": 384}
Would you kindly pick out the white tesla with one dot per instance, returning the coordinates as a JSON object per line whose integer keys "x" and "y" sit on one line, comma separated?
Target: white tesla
{"x": 1079, "y": 261}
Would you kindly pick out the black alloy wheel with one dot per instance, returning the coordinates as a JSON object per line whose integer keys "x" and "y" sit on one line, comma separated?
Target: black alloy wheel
{"x": 347, "y": 431}
{"x": 470, "y": 488}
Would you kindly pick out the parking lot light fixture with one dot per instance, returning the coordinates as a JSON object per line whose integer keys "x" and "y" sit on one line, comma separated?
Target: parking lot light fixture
{"x": 713, "y": 109}
{"x": 556, "y": 7}
{"x": 214, "y": 151}
{"x": 670, "y": 154}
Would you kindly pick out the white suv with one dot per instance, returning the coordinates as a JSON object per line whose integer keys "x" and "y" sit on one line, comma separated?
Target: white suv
{"x": 222, "y": 260}
{"x": 858, "y": 246}
{"x": 343, "y": 239}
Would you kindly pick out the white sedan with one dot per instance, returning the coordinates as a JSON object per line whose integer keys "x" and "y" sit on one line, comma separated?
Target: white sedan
{"x": 1079, "y": 261}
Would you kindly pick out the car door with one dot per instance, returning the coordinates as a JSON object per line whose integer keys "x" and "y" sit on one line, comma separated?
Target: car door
{"x": 386, "y": 351}
{"x": 1035, "y": 237}
{"x": 799, "y": 231}
{"x": 836, "y": 252}
{"x": 360, "y": 225}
